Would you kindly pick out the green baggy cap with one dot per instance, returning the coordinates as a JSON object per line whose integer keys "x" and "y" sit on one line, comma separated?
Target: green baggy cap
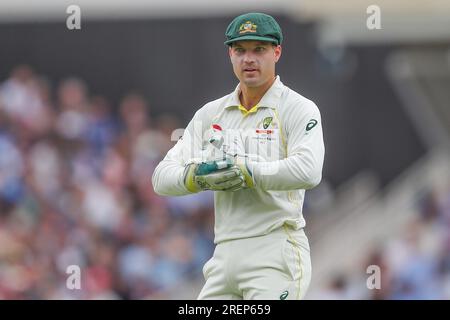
{"x": 254, "y": 26}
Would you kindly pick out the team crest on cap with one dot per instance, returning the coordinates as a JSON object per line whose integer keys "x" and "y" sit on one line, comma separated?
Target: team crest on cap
{"x": 248, "y": 26}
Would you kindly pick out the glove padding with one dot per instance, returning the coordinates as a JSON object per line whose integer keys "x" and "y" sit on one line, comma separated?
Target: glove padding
{"x": 244, "y": 164}
{"x": 231, "y": 144}
{"x": 216, "y": 175}
{"x": 222, "y": 180}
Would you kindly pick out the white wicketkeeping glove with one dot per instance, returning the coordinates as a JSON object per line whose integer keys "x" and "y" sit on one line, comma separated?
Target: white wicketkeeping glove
{"x": 216, "y": 175}
{"x": 232, "y": 146}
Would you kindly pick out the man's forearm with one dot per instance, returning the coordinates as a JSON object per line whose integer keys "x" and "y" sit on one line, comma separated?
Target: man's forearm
{"x": 292, "y": 173}
{"x": 167, "y": 179}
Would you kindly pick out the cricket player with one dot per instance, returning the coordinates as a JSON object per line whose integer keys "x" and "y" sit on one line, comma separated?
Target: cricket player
{"x": 258, "y": 148}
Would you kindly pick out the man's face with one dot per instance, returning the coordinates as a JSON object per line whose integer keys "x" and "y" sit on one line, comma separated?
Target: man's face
{"x": 254, "y": 61}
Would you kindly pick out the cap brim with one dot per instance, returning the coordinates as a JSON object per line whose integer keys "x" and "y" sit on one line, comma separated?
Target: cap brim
{"x": 251, "y": 37}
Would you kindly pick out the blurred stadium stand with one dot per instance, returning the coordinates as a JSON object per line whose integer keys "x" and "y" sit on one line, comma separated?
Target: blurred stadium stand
{"x": 86, "y": 115}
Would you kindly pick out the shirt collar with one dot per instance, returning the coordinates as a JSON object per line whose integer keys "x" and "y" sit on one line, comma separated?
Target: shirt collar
{"x": 269, "y": 100}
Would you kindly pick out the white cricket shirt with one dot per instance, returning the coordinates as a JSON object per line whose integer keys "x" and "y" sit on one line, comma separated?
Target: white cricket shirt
{"x": 284, "y": 130}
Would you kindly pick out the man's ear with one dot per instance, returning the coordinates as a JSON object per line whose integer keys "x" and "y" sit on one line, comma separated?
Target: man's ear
{"x": 230, "y": 50}
{"x": 277, "y": 51}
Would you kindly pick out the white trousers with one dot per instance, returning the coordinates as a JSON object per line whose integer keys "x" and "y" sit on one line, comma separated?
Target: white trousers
{"x": 270, "y": 267}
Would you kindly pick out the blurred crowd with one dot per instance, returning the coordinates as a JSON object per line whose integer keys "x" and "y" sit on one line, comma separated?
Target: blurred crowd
{"x": 413, "y": 265}
{"x": 75, "y": 189}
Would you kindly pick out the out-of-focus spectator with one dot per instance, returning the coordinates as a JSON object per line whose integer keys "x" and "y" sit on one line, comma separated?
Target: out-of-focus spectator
{"x": 72, "y": 119}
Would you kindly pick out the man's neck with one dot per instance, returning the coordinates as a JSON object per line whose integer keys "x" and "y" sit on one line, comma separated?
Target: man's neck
{"x": 250, "y": 97}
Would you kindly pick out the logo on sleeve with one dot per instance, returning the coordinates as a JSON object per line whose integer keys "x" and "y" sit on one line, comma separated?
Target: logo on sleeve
{"x": 266, "y": 122}
{"x": 311, "y": 124}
